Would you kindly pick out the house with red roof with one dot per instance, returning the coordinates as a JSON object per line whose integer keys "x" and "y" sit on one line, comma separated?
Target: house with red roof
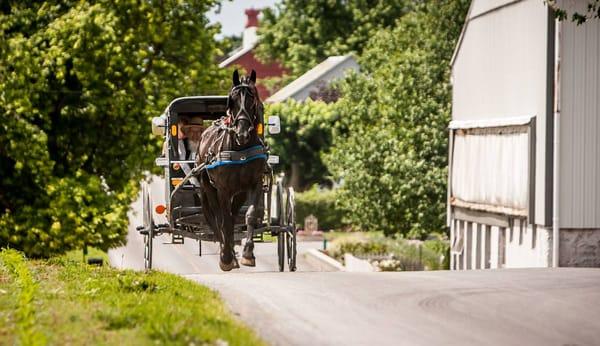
{"x": 245, "y": 58}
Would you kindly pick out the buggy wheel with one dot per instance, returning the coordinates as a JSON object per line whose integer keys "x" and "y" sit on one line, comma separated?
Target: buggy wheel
{"x": 277, "y": 218}
{"x": 281, "y": 250}
{"x": 290, "y": 220}
{"x": 280, "y": 222}
{"x": 148, "y": 226}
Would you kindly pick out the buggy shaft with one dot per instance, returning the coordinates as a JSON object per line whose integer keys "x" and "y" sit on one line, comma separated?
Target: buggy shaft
{"x": 193, "y": 172}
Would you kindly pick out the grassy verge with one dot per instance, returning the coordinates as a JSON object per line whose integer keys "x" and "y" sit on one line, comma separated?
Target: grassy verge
{"x": 62, "y": 301}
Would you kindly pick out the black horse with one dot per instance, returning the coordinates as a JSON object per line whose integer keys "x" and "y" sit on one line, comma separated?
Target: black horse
{"x": 225, "y": 187}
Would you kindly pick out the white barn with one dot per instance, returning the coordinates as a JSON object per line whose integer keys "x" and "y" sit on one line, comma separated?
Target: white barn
{"x": 524, "y": 159}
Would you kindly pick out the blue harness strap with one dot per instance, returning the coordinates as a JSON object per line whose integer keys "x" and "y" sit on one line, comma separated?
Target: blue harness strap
{"x": 243, "y": 159}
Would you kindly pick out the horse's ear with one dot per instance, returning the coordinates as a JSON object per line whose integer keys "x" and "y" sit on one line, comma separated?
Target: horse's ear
{"x": 236, "y": 78}
{"x": 253, "y": 76}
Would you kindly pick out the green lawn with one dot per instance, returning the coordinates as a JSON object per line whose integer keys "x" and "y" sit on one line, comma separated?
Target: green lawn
{"x": 63, "y": 301}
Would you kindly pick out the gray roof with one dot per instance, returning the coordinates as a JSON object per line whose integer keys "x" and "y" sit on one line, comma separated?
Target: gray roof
{"x": 323, "y": 72}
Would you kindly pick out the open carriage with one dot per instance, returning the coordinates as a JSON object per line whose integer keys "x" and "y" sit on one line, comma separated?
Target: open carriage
{"x": 181, "y": 125}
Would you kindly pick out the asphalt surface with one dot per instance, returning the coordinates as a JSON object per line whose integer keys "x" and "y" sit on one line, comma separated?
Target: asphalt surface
{"x": 485, "y": 307}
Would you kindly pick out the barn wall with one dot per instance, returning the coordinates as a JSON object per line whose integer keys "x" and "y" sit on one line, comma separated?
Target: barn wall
{"x": 500, "y": 72}
{"x": 580, "y": 124}
{"x": 579, "y": 248}
{"x": 517, "y": 245}
{"x": 527, "y": 246}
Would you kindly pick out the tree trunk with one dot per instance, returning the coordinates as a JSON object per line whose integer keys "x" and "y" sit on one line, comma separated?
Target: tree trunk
{"x": 296, "y": 177}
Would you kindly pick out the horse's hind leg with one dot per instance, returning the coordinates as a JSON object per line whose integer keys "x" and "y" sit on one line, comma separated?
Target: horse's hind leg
{"x": 253, "y": 218}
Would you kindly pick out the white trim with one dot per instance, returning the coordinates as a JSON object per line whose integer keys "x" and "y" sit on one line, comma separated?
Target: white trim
{"x": 556, "y": 149}
{"x": 485, "y": 123}
{"x": 461, "y": 36}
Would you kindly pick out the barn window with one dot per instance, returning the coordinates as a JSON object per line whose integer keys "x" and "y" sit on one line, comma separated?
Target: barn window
{"x": 491, "y": 165}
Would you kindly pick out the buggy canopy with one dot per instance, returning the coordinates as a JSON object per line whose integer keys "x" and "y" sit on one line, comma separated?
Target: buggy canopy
{"x": 207, "y": 107}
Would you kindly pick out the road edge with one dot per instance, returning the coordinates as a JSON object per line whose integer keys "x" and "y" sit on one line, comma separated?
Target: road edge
{"x": 322, "y": 261}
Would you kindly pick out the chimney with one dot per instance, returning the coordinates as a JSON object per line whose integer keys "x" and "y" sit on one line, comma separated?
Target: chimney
{"x": 249, "y": 37}
{"x": 252, "y": 15}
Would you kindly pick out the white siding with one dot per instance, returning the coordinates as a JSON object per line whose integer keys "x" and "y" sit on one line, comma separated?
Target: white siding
{"x": 526, "y": 247}
{"x": 500, "y": 72}
{"x": 493, "y": 247}
{"x": 580, "y": 124}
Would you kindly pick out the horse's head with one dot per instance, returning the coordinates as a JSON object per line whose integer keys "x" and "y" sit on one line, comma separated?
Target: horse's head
{"x": 245, "y": 107}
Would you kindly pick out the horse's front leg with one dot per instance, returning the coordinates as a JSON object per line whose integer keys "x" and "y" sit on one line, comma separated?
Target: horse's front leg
{"x": 227, "y": 260}
{"x": 254, "y": 216}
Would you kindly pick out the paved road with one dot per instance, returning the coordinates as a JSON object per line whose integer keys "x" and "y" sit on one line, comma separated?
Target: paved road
{"x": 505, "y": 307}
{"x": 492, "y": 307}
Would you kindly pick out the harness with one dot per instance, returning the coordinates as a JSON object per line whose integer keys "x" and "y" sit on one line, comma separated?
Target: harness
{"x": 225, "y": 158}
{"x": 230, "y": 157}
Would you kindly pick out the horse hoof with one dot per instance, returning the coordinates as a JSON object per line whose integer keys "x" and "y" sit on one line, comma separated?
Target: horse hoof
{"x": 228, "y": 267}
{"x": 248, "y": 262}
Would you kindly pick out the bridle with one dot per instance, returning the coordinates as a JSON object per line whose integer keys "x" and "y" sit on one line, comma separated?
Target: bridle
{"x": 242, "y": 113}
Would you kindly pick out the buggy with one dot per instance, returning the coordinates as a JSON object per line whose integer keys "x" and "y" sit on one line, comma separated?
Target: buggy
{"x": 181, "y": 125}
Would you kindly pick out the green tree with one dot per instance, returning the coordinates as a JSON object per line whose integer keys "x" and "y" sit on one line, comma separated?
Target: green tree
{"x": 305, "y": 136}
{"x": 592, "y": 10}
{"x": 302, "y": 33}
{"x": 79, "y": 81}
{"x": 390, "y": 144}
{"x": 228, "y": 44}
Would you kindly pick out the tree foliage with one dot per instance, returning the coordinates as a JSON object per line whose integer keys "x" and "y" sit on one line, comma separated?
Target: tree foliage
{"x": 227, "y": 45}
{"x": 305, "y": 135}
{"x": 79, "y": 81}
{"x": 592, "y": 10}
{"x": 302, "y": 33}
{"x": 323, "y": 205}
{"x": 390, "y": 144}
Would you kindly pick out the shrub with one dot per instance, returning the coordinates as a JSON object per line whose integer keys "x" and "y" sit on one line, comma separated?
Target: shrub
{"x": 390, "y": 254}
{"x": 79, "y": 82}
{"x": 359, "y": 244}
{"x": 441, "y": 248}
{"x": 305, "y": 135}
{"x": 322, "y": 204}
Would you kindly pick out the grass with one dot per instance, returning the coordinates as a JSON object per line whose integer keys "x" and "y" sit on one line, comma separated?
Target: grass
{"x": 63, "y": 301}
